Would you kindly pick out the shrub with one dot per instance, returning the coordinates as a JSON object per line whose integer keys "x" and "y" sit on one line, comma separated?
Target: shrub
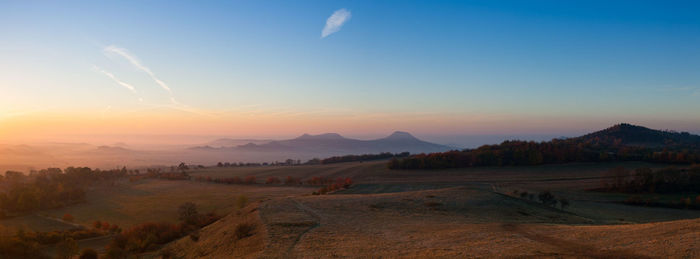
{"x": 187, "y": 213}
{"x": 292, "y": 181}
{"x": 105, "y": 226}
{"x": 16, "y": 247}
{"x": 433, "y": 204}
{"x": 67, "y": 248}
{"x": 272, "y": 180}
{"x": 244, "y": 230}
{"x": 207, "y": 219}
{"x": 166, "y": 253}
{"x": 686, "y": 202}
{"x": 564, "y": 203}
{"x": 339, "y": 183}
{"x": 115, "y": 229}
{"x": 68, "y": 217}
{"x": 547, "y": 198}
{"x": 114, "y": 252}
{"x": 249, "y": 179}
{"x": 194, "y": 236}
{"x": 88, "y": 253}
{"x": 145, "y": 237}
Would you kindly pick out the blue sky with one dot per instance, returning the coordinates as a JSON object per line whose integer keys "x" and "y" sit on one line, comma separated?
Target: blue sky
{"x": 591, "y": 62}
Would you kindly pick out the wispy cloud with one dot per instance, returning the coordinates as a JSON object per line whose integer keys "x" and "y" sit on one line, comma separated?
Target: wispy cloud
{"x": 114, "y": 78}
{"x": 335, "y": 22}
{"x": 111, "y": 51}
{"x": 124, "y": 53}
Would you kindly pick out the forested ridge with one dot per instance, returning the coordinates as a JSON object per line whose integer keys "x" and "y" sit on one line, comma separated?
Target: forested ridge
{"x": 622, "y": 142}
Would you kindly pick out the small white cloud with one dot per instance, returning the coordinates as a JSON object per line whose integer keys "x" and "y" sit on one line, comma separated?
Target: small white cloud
{"x": 115, "y": 79}
{"x": 333, "y": 24}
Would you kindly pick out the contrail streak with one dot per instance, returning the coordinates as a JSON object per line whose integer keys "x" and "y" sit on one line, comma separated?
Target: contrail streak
{"x": 124, "y": 53}
{"x": 119, "y": 82}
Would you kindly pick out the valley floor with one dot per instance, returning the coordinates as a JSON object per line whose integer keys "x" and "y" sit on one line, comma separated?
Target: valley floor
{"x": 455, "y": 213}
{"x": 456, "y": 222}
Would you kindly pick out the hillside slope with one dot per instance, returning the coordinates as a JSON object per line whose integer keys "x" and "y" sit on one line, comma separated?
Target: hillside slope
{"x": 463, "y": 223}
{"x": 220, "y": 240}
{"x": 633, "y": 135}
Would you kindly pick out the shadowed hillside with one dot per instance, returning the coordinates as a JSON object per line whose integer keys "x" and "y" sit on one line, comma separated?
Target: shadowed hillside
{"x": 632, "y": 135}
{"x": 622, "y": 142}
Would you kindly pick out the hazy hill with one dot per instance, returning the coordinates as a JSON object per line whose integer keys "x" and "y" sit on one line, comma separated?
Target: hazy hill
{"x": 334, "y": 143}
{"x": 229, "y": 142}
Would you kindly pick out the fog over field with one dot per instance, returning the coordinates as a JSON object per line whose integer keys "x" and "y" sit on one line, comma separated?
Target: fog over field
{"x": 163, "y": 150}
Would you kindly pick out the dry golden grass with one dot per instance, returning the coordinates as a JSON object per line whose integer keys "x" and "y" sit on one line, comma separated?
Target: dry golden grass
{"x": 220, "y": 240}
{"x": 470, "y": 223}
{"x": 128, "y": 204}
{"x": 403, "y": 214}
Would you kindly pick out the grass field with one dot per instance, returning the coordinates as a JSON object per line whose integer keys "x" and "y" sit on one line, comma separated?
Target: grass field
{"x": 128, "y": 204}
{"x": 468, "y": 212}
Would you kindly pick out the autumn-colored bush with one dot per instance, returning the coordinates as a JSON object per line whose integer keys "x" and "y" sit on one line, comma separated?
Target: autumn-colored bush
{"x": 49, "y": 188}
{"x": 145, "y": 237}
{"x": 67, "y": 248}
{"x": 232, "y": 180}
{"x": 67, "y": 217}
{"x": 88, "y": 253}
{"x": 292, "y": 181}
{"x": 339, "y": 183}
{"x": 273, "y": 180}
{"x": 316, "y": 180}
{"x": 115, "y": 229}
{"x": 433, "y": 204}
{"x": 17, "y": 247}
{"x": 207, "y": 219}
{"x": 249, "y": 179}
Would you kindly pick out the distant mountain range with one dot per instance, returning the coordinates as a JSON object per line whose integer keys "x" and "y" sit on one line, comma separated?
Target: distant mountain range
{"x": 334, "y": 144}
{"x": 230, "y": 142}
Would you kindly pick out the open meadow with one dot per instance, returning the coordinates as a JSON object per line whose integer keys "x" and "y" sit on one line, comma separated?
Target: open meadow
{"x": 469, "y": 212}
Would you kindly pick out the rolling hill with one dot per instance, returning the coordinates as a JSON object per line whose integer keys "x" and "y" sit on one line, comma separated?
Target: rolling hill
{"x": 334, "y": 143}
{"x": 621, "y": 142}
{"x": 632, "y": 135}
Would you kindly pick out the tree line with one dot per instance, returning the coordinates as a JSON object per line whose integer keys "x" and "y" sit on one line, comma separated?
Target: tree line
{"x": 363, "y": 157}
{"x": 519, "y": 153}
{"x": 48, "y": 188}
{"x": 646, "y": 180}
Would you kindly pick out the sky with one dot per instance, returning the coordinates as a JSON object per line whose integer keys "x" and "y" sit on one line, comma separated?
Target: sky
{"x": 359, "y": 68}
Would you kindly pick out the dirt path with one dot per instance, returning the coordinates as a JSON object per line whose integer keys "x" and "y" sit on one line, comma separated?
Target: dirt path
{"x": 577, "y": 249}
{"x": 318, "y": 217}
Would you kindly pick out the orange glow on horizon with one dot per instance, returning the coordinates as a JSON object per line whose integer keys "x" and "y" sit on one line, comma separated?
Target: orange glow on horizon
{"x": 255, "y": 124}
